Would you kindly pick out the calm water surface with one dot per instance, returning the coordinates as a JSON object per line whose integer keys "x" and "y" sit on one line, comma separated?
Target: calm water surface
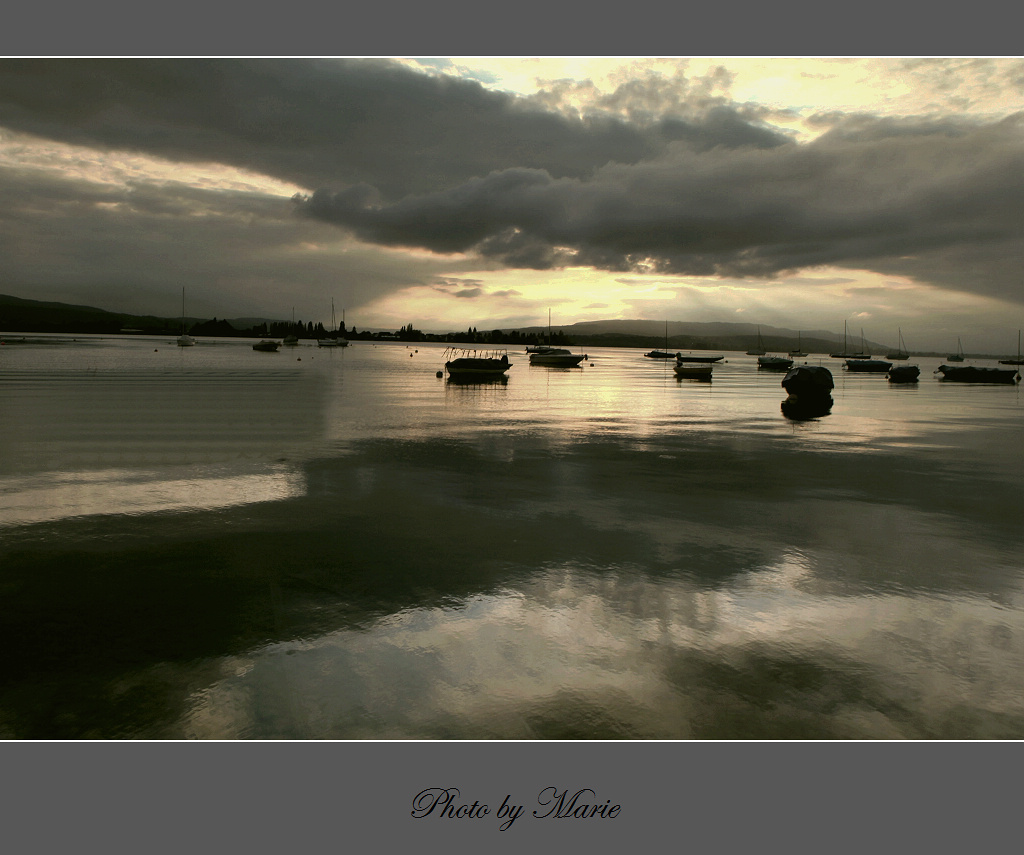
{"x": 216, "y": 543}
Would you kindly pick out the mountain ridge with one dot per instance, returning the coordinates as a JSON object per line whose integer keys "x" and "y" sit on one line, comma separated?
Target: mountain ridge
{"x": 18, "y": 314}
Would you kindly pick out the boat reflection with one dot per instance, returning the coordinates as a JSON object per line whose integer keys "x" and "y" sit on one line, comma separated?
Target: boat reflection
{"x": 477, "y": 380}
{"x": 809, "y": 408}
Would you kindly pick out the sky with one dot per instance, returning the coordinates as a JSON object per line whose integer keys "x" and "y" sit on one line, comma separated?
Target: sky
{"x": 804, "y": 193}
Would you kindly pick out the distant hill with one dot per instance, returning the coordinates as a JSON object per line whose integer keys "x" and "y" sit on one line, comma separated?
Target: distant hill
{"x": 685, "y": 335}
{"x": 21, "y": 315}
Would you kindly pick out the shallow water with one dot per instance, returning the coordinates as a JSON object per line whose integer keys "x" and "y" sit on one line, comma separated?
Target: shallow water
{"x": 212, "y": 542}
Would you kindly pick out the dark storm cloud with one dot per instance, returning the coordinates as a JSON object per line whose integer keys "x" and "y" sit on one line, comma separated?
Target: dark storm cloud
{"x": 132, "y": 248}
{"x": 898, "y": 196}
{"x": 330, "y": 123}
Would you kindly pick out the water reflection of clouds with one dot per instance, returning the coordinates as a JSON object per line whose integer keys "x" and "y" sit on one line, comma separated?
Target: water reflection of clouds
{"x": 24, "y": 501}
{"x": 502, "y": 665}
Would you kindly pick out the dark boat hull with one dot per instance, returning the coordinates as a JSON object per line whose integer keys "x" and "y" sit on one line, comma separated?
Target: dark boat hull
{"x": 976, "y": 374}
{"x": 868, "y": 366}
{"x": 468, "y": 366}
{"x": 808, "y": 381}
{"x": 904, "y": 374}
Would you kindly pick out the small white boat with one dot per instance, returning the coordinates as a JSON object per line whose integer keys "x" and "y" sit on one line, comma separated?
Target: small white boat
{"x": 557, "y": 357}
{"x": 554, "y": 357}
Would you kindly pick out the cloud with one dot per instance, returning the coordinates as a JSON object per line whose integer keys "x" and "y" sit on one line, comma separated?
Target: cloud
{"x": 941, "y": 198}
{"x": 132, "y": 248}
{"x": 329, "y": 123}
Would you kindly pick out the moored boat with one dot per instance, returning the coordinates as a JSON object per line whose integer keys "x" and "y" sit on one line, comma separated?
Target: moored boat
{"x": 660, "y": 354}
{"x": 844, "y": 353}
{"x": 799, "y": 350}
{"x": 904, "y": 374}
{"x": 759, "y": 350}
{"x": 557, "y": 357}
{"x": 689, "y": 357}
{"x": 184, "y": 340}
{"x": 901, "y": 350}
{"x": 868, "y": 366}
{"x": 335, "y": 340}
{"x": 959, "y": 355}
{"x": 1018, "y": 360}
{"x": 462, "y": 362}
{"x": 693, "y": 370}
{"x": 808, "y": 381}
{"x": 977, "y": 374}
{"x": 774, "y": 363}
{"x": 267, "y": 346}
{"x": 810, "y": 392}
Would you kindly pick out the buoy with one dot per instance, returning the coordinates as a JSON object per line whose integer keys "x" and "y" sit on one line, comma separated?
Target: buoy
{"x": 439, "y": 374}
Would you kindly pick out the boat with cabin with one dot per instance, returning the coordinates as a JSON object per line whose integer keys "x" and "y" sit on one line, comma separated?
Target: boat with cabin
{"x": 267, "y": 346}
{"x": 799, "y": 350}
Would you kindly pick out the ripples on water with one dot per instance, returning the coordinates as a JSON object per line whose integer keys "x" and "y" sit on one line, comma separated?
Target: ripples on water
{"x": 216, "y": 543}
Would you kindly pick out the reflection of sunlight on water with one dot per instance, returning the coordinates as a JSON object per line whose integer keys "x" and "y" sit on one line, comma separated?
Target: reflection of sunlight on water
{"x": 24, "y": 501}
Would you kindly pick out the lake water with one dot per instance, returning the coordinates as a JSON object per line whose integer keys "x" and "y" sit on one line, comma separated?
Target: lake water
{"x": 216, "y": 543}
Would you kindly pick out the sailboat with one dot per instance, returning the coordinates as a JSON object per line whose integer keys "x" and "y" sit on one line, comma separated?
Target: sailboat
{"x": 845, "y": 353}
{"x": 291, "y": 339}
{"x": 901, "y": 352}
{"x": 555, "y": 357}
{"x": 336, "y": 341}
{"x": 1018, "y": 360}
{"x": 661, "y": 354}
{"x": 184, "y": 340}
{"x": 799, "y": 351}
{"x": 862, "y": 353}
{"x": 759, "y": 350}
{"x": 959, "y": 355}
